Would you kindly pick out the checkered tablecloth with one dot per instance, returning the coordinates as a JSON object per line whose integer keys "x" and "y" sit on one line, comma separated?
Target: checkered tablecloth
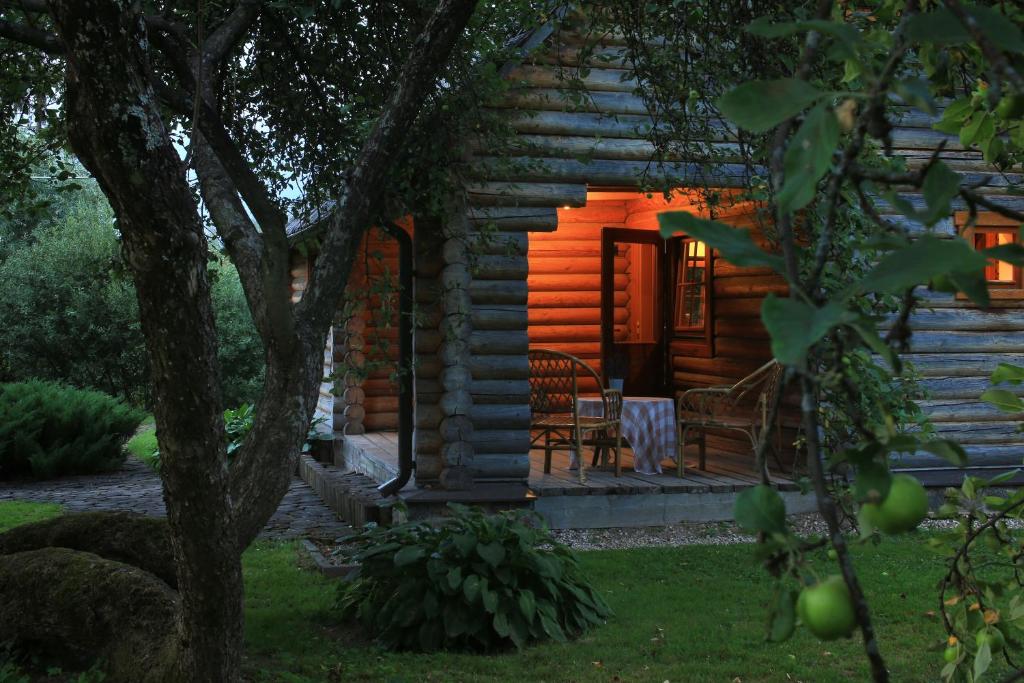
{"x": 648, "y": 424}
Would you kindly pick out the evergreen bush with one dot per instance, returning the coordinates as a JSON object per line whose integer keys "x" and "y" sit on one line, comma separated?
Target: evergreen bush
{"x": 48, "y": 430}
{"x": 475, "y": 582}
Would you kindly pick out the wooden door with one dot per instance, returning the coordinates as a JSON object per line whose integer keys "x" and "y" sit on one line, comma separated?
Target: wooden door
{"x": 634, "y": 289}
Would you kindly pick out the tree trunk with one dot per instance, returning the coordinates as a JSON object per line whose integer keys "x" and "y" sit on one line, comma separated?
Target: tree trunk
{"x": 117, "y": 132}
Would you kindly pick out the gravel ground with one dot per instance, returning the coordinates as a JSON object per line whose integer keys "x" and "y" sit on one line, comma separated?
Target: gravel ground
{"x": 707, "y": 533}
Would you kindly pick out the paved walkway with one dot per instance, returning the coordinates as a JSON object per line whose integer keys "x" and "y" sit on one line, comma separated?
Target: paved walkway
{"x": 137, "y": 488}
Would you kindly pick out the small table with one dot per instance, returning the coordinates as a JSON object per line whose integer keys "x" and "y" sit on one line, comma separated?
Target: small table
{"x": 648, "y": 424}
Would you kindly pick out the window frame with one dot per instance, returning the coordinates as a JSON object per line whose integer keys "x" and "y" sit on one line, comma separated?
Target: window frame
{"x": 987, "y": 221}
{"x": 695, "y": 341}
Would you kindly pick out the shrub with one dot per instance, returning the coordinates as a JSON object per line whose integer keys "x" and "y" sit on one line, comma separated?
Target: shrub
{"x": 48, "y": 430}
{"x": 474, "y": 582}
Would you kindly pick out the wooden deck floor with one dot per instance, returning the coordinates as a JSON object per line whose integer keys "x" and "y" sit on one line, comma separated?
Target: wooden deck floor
{"x": 725, "y": 473}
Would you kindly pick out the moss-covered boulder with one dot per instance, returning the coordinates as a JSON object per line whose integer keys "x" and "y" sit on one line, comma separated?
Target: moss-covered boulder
{"x": 77, "y": 608}
{"x": 137, "y": 540}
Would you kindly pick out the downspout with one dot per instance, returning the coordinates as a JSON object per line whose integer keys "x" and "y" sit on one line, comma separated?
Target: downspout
{"x": 405, "y": 370}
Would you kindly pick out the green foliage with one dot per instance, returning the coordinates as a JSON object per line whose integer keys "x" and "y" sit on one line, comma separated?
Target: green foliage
{"x": 70, "y": 313}
{"x": 49, "y": 430}
{"x": 474, "y": 582}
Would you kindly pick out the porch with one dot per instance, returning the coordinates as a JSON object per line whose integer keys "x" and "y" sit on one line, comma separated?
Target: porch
{"x": 605, "y": 500}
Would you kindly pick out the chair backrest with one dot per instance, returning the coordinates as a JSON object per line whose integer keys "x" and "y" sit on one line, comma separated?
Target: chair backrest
{"x": 759, "y": 383}
{"x": 555, "y": 381}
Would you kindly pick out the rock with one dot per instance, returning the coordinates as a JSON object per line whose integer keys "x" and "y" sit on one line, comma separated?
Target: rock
{"x": 76, "y": 608}
{"x": 137, "y": 540}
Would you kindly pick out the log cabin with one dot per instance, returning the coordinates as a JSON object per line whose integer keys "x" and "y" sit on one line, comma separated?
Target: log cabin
{"x": 562, "y": 252}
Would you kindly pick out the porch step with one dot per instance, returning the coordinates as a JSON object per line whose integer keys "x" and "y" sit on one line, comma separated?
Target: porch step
{"x": 353, "y": 496}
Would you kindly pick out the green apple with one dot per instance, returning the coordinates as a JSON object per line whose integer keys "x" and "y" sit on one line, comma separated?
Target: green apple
{"x": 993, "y": 636}
{"x": 826, "y": 609}
{"x": 903, "y": 508}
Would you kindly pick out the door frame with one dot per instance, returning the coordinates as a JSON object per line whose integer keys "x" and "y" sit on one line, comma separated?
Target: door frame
{"x": 609, "y": 236}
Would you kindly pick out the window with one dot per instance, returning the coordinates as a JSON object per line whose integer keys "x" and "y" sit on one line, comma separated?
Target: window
{"x": 691, "y": 290}
{"x": 990, "y": 230}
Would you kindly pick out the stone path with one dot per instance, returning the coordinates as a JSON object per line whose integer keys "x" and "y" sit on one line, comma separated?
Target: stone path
{"x": 137, "y": 488}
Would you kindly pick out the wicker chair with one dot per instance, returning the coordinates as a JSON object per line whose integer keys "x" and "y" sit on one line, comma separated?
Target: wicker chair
{"x": 554, "y": 408}
{"x": 742, "y": 407}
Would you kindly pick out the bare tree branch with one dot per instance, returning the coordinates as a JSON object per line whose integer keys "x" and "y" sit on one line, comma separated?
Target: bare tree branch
{"x": 352, "y": 213}
{"x": 992, "y": 53}
{"x": 32, "y": 37}
{"x": 231, "y": 30}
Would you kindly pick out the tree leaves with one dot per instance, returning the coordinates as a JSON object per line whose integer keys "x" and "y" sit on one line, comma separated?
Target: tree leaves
{"x": 925, "y": 259}
{"x": 808, "y": 157}
{"x": 795, "y": 326}
{"x": 758, "y": 106}
{"x": 941, "y": 27}
{"x": 782, "y": 616}
{"x": 734, "y": 244}
{"x": 760, "y": 509}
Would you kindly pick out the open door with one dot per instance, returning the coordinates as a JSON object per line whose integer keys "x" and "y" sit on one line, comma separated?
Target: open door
{"x": 634, "y": 288}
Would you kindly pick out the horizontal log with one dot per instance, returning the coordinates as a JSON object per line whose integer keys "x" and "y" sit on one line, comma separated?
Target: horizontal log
{"x": 968, "y": 433}
{"x": 1003, "y": 455}
{"x": 541, "y": 334}
{"x": 751, "y": 328}
{"x": 593, "y": 80}
{"x": 743, "y": 348}
{"x": 565, "y": 248}
{"x": 483, "y": 343}
{"x": 748, "y": 287}
{"x": 379, "y": 422}
{"x": 554, "y": 99}
{"x": 485, "y": 292}
{"x": 582, "y": 124}
{"x": 501, "y": 267}
{"x": 572, "y": 265}
{"x": 497, "y": 416}
{"x": 961, "y": 387}
{"x": 494, "y": 391}
{"x": 511, "y": 317}
{"x": 723, "y": 367}
{"x": 514, "y": 466}
{"x": 514, "y": 219}
{"x": 965, "y": 410}
{"x": 499, "y": 243}
{"x": 501, "y": 440}
{"x": 513, "y": 366}
{"x": 965, "y": 319}
{"x": 967, "y": 342}
{"x": 627, "y": 149}
{"x": 584, "y": 350}
{"x": 581, "y": 299}
{"x": 381, "y": 404}
{"x": 524, "y": 192}
{"x": 571, "y": 283}
{"x": 573, "y": 316}
{"x": 738, "y": 308}
{"x": 593, "y": 172}
{"x": 960, "y": 364}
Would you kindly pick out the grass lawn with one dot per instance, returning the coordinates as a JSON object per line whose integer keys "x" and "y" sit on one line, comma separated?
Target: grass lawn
{"x": 681, "y": 614}
{"x": 143, "y": 444}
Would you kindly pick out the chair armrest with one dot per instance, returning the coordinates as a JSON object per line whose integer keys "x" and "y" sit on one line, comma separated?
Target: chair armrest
{"x": 701, "y": 401}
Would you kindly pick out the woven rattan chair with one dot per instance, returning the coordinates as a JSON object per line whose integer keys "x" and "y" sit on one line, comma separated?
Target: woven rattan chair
{"x": 554, "y": 407}
{"x": 609, "y": 439}
{"x": 742, "y": 407}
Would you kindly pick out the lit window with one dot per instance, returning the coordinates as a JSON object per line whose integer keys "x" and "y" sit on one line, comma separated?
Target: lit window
{"x": 691, "y": 287}
{"x": 996, "y": 272}
{"x": 984, "y": 231}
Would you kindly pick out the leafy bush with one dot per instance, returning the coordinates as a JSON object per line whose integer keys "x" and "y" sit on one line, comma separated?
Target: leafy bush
{"x": 48, "y": 430}
{"x": 475, "y": 582}
{"x": 237, "y": 425}
{"x": 70, "y": 312}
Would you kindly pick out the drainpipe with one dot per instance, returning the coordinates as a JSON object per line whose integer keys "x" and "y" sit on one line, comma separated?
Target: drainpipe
{"x": 405, "y": 378}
